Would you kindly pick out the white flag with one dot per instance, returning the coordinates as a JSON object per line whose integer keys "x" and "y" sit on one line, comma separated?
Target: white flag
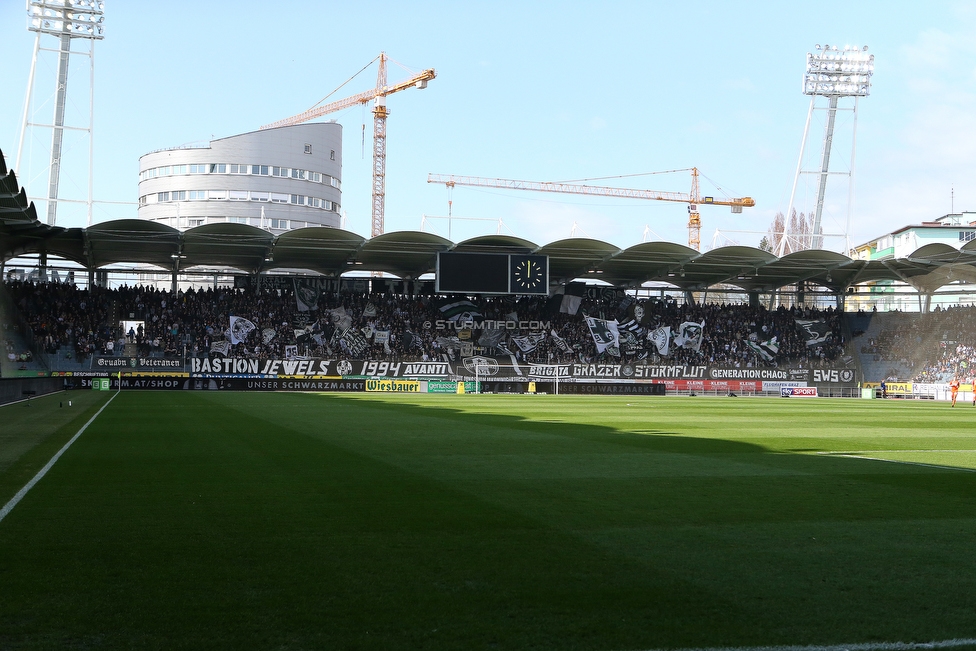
{"x": 240, "y": 328}
{"x": 661, "y": 338}
{"x": 690, "y": 335}
{"x": 604, "y": 333}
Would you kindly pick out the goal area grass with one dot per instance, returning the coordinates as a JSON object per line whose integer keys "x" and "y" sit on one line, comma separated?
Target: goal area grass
{"x": 208, "y": 519}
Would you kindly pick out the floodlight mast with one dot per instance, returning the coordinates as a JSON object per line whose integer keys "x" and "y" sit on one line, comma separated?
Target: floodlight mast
{"x": 832, "y": 74}
{"x": 66, "y": 20}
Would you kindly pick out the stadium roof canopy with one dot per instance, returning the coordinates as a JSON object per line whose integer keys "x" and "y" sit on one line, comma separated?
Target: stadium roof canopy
{"x": 410, "y": 254}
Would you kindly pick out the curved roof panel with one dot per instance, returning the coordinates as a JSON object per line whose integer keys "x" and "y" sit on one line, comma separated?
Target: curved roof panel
{"x": 406, "y": 254}
{"x": 728, "y": 264}
{"x": 132, "y": 240}
{"x": 496, "y": 244}
{"x": 328, "y": 251}
{"x": 573, "y": 257}
{"x": 233, "y": 245}
{"x": 644, "y": 262}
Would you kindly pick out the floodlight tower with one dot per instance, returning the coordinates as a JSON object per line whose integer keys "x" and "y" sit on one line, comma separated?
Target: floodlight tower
{"x": 67, "y": 20}
{"x": 831, "y": 74}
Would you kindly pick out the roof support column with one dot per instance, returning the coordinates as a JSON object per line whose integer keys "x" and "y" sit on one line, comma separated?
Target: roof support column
{"x": 754, "y": 299}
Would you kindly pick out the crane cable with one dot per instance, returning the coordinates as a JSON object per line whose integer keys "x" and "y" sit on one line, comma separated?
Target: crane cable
{"x": 343, "y": 84}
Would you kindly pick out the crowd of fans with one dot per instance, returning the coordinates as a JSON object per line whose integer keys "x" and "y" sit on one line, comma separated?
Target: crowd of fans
{"x": 934, "y": 347}
{"x": 196, "y": 323}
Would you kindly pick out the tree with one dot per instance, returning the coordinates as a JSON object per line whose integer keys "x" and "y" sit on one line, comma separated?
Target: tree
{"x": 764, "y": 245}
{"x": 799, "y": 233}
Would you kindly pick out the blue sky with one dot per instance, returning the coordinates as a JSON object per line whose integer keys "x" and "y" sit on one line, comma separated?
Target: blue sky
{"x": 537, "y": 91}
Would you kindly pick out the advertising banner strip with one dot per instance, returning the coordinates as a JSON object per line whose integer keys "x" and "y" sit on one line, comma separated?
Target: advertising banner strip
{"x": 503, "y": 368}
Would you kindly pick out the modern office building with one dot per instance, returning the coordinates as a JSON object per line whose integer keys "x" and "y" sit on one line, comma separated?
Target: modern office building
{"x": 276, "y": 179}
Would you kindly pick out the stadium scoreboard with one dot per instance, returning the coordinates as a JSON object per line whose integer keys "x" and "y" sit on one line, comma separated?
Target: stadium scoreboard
{"x": 492, "y": 273}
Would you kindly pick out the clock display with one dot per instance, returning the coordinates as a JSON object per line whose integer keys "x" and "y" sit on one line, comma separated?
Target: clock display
{"x": 492, "y": 273}
{"x": 530, "y": 274}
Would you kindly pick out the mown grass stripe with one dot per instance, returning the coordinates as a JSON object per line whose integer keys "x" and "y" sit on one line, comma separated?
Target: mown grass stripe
{"x": 9, "y": 506}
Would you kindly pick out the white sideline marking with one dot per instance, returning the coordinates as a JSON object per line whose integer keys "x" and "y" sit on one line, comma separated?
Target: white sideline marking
{"x": 866, "y": 646}
{"x": 854, "y": 455}
{"x": 17, "y": 402}
{"x": 9, "y": 506}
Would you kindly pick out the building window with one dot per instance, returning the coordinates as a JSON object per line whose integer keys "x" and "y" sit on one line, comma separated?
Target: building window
{"x": 259, "y": 169}
{"x": 334, "y": 182}
{"x": 194, "y": 222}
{"x": 218, "y": 168}
{"x": 279, "y": 198}
{"x": 217, "y": 194}
{"x": 967, "y": 236}
{"x": 162, "y": 196}
{"x": 279, "y": 223}
{"x": 239, "y": 220}
{"x": 308, "y": 148}
{"x": 179, "y": 169}
{"x": 298, "y": 198}
{"x": 315, "y": 176}
{"x": 279, "y": 171}
{"x": 178, "y": 195}
{"x": 238, "y": 195}
{"x": 332, "y": 155}
{"x": 298, "y": 174}
{"x": 142, "y": 200}
{"x": 198, "y": 169}
{"x": 260, "y": 196}
{"x": 197, "y": 195}
{"x": 238, "y": 169}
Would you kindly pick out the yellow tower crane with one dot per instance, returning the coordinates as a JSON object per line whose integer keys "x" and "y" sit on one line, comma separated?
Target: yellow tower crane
{"x": 380, "y": 113}
{"x": 693, "y": 198}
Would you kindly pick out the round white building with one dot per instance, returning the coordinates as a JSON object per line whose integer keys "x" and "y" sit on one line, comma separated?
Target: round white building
{"x": 276, "y": 179}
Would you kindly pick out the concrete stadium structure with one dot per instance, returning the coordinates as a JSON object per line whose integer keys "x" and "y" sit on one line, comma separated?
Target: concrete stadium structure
{"x": 274, "y": 179}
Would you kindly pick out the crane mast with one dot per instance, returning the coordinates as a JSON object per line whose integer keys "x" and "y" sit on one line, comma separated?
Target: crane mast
{"x": 693, "y": 198}
{"x": 380, "y": 113}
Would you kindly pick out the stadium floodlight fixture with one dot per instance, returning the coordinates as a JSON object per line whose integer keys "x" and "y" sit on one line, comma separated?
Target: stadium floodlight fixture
{"x": 834, "y": 72}
{"x": 76, "y": 18}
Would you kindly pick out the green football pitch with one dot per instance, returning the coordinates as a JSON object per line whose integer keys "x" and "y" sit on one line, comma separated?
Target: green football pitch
{"x": 371, "y": 521}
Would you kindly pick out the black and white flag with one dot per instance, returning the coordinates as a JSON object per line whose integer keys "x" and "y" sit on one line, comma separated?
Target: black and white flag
{"x": 240, "y": 328}
{"x": 605, "y": 334}
{"x": 529, "y": 342}
{"x": 220, "y": 347}
{"x": 765, "y": 349}
{"x": 267, "y": 335}
{"x": 355, "y": 341}
{"x": 560, "y": 342}
{"x": 661, "y": 338}
{"x": 815, "y": 331}
{"x": 689, "y": 335}
{"x": 491, "y": 337}
{"x": 307, "y": 294}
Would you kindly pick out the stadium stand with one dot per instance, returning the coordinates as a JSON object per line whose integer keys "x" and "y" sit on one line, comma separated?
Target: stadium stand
{"x": 70, "y": 325}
